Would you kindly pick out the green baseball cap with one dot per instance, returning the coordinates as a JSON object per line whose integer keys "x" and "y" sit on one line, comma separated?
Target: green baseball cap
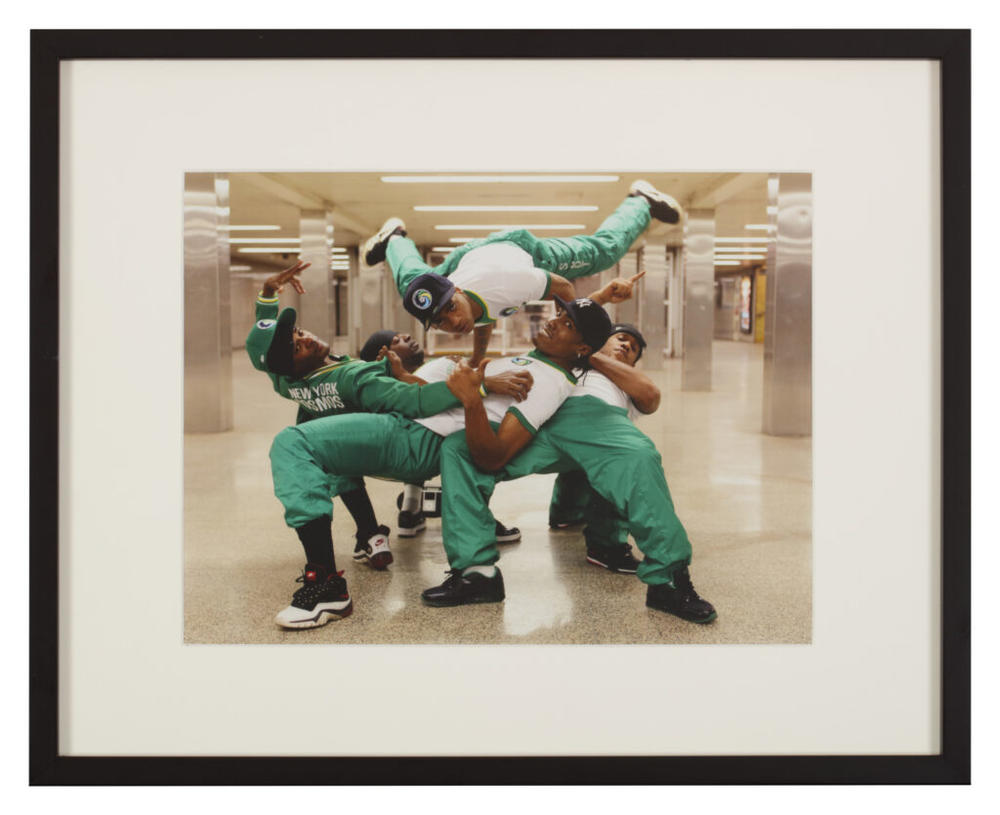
{"x": 269, "y": 343}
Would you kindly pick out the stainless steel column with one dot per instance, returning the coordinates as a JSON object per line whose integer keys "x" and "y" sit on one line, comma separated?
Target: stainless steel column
{"x": 317, "y": 306}
{"x": 366, "y": 301}
{"x": 674, "y": 301}
{"x": 628, "y": 312}
{"x": 652, "y": 317}
{"x": 208, "y": 376}
{"x": 699, "y": 287}
{"x": 787, "y": 388}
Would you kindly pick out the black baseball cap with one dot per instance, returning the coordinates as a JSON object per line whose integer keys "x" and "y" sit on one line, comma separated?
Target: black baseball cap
{"x": 628, "y": 328}
{"x": 374, "y": 343}
{"x": 590, "y": 320}
{"x": 426, "y": 295}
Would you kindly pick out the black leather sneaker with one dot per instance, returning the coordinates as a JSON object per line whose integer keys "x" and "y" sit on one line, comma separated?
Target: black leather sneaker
{"x": 663, "y": 207}
{"x": 680, "y": 599}
{"x": 376, "y": 244}
{"x": 322, "y": 598}
{"x": 613, "y": 558}
{"x": 410, "y": 524}
{"x": 461, "y": 589}
{"x": 375, "y": 549}
{"x": 505, "y": 535}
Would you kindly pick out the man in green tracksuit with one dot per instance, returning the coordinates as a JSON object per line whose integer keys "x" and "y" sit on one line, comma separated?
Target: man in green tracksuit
{"x": 592, "y": 432}
{"x": 308, "y": 460}
{"x": 493, "y": 277}
{"x": 301, "y": 369}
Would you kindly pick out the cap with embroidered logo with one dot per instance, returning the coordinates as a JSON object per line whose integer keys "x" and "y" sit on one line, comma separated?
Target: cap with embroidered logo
{"x": 270, "y": 344}
{"x": 426, "y": 295}
{"x": 590, "y": 320}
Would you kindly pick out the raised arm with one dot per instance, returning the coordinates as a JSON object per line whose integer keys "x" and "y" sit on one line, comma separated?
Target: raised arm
{"x": 274, "y": 284}
{"x": 480, "y": 342}
{"x": 490, "y": 449}
{"x": 618, "y": 290}
{"x": 636, "y": 384}
{"x": 267, "y": 300}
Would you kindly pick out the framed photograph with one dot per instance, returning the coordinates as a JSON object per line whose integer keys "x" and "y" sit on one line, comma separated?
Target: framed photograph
{"x": 766, "y": 220}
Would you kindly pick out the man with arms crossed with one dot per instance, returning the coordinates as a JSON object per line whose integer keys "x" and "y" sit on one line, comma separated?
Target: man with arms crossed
{"x": 592, "y": 432}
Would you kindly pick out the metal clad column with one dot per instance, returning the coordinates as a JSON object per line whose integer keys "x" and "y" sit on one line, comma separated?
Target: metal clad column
{"x": 208, "y": 376}
{"x": 628, "y": 312}
{"x": 652, "y": 320}
{"x": 316, "y": 306}
{"x": 699, "y": 288}
{"x": 368, "y": 299}
{"x": 787, "y": 393}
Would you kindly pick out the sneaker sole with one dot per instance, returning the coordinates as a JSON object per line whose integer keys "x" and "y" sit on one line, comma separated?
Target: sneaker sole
{"x": 410, "y": 532}
{"x": 377, "y": 561}
{"x": 610, "y": 568}
{"x": 686, "y": 619}
{"x": 321, "y": 617}
{"x": 509, "y": 538}
{"x": 372, "y": 244}
{"x": 469, "y": 602}
{"x": 662, "y": 207}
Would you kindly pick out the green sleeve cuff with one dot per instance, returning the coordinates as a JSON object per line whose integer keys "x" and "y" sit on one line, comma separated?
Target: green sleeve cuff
{"x": 267, "y": 309}
{"x": 520, "y": 417}
{"x": 436, "y": 397}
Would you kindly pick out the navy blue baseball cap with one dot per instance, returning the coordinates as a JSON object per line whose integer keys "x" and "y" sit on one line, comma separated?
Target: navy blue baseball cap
{"x": 590, "y": 320}
{"x": 628, "y": 328}
{"x": 426, "y": 295}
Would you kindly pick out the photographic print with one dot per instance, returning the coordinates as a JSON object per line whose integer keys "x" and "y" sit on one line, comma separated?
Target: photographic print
{"x": 500, "y": 408}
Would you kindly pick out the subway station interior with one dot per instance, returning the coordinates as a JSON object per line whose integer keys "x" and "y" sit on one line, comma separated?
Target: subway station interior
{"x": 724, "y": 307}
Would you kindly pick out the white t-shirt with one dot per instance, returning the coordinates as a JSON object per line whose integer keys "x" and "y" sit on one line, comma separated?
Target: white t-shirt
{"x": 436, "y": 370}
{"x": 592, "y": 383}
{"x": 502, "y": 277}
{"x": 550, "y": 387}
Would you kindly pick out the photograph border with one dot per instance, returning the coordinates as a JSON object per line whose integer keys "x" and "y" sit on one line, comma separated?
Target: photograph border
{"x": 951, "y": 48}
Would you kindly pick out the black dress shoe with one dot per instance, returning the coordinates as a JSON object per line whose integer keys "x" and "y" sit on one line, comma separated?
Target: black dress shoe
{"x": 507, "y": 535}
{"x": 461, "y": 589}
{"x": 680, "y": 599}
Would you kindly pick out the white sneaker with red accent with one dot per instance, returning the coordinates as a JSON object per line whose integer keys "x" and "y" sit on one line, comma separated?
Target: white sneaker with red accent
{"x": 375, "y": 551}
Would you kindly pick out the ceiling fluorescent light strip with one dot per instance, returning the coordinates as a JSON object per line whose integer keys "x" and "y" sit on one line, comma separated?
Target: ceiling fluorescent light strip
{"x": 497, "y": 179}
{"x": 272, "y": 250}
{"x": 742, "y": 240}
{"x": 506, "y": 208}
{"x": 265, "y": 239}
{"x": 539, "y": 227}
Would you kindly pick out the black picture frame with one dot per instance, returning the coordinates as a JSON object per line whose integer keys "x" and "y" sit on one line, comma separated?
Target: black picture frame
{"x": 951, "y": 48}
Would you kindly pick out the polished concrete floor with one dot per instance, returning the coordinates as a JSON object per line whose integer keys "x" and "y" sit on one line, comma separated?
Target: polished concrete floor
{"x": 745, "y": 499}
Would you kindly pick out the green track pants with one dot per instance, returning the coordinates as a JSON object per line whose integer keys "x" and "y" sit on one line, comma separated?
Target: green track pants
{"x": 324, "y": 457}
{"x": 577, "y": 256}
{"x": 621, "y": 463}
{"x": 575, "y": 501}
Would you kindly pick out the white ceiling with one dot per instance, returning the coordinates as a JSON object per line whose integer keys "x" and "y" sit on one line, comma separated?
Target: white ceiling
{"x": 360, "y": 202}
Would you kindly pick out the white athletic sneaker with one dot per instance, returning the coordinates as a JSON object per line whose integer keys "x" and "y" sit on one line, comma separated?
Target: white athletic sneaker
{"x": 319, "y": 601}
{"x": 375, "y": 550}
{"x": 376, "y": 244}
{"x": 663, "y": 207}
